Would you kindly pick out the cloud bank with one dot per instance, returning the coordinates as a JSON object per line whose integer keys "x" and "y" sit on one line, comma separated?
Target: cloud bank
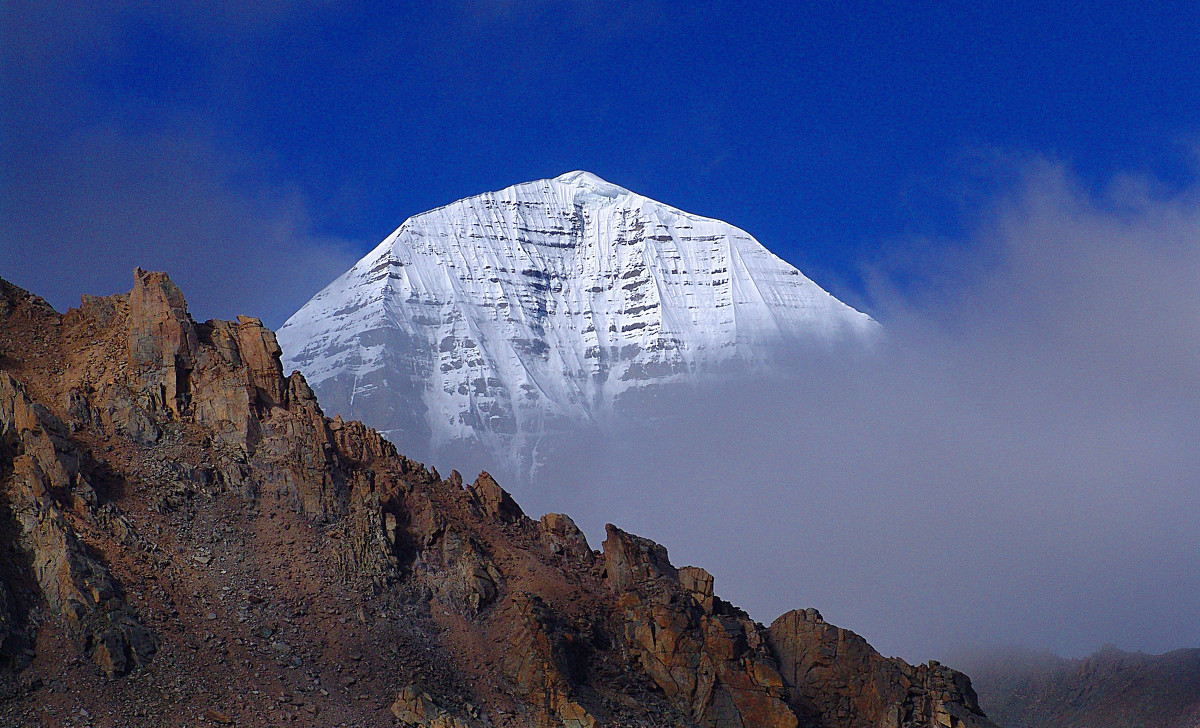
{"x": 1018, "y": 462}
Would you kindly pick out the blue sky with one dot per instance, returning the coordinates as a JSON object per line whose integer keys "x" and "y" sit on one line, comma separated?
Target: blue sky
{"x": 833, "y": 132}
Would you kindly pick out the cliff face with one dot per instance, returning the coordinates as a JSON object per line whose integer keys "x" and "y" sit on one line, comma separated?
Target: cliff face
{"x": 192, "y": 538}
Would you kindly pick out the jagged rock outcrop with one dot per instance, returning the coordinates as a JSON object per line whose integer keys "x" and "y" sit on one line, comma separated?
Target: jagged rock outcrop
{"x": 181, "y": 509}
{"x": 705, "y": 654}
{"x": 494, "y": 500}
{"x": 836, "y": 678}
{"x": 44, "y": 477}
{"x": 162, "y": 340}
{"x": 564, "y": 537}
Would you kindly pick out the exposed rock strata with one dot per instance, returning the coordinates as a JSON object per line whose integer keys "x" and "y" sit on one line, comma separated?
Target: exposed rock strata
{"x": 184, "y": 511}
{"x": 504, "y": 320}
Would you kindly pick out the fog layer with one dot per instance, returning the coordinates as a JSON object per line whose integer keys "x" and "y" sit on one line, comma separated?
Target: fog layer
{"x": 1017, "y": 462}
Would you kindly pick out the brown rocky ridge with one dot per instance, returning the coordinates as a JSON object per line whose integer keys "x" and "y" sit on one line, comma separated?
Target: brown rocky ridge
{"x": 189, "y": 540}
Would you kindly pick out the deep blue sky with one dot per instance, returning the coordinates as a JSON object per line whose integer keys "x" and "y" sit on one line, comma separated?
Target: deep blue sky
{"x": 827, "y": 130}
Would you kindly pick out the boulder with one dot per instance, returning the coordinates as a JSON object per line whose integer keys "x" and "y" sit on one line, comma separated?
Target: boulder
{"x": 414, "y": 707}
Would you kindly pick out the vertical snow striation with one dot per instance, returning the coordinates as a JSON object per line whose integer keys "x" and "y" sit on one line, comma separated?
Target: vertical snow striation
{"x": 502, "y": 317}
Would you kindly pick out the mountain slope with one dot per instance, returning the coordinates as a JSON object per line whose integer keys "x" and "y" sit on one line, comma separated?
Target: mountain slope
{"x": 1110, "y": 689}
{"x": 191, "y": 541}
{"x": 500, "y": 318}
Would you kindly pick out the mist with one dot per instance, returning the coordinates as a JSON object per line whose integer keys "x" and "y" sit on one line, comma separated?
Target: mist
{"x": 1016, "y": 462}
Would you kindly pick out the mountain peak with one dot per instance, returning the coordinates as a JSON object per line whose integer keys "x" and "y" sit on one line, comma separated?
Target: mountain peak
{"x": 588, "y": 181}
{"x": 503, "y": 318}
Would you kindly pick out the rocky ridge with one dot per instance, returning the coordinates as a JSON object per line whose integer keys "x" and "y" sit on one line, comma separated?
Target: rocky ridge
{"x": 193, "y": 540}
{"x": 1111, "y": 688}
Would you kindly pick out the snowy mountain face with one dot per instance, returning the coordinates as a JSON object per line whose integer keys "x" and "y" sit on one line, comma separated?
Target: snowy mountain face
{"x": 511, "y": 315}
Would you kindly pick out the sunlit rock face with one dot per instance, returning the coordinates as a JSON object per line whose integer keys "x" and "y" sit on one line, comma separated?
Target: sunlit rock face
{"x": 502, "y": 320}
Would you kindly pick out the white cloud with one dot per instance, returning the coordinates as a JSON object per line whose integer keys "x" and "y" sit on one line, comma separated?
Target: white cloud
{"x": 1019, "y": 463}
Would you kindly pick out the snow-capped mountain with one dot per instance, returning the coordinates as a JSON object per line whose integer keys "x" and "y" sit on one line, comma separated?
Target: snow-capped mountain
{"x": 509, "y": 315}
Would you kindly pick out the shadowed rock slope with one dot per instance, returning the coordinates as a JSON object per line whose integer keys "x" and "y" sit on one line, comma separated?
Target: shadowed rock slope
{"x": 1110, "y": 689}
{"x": 188, "y": 538}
